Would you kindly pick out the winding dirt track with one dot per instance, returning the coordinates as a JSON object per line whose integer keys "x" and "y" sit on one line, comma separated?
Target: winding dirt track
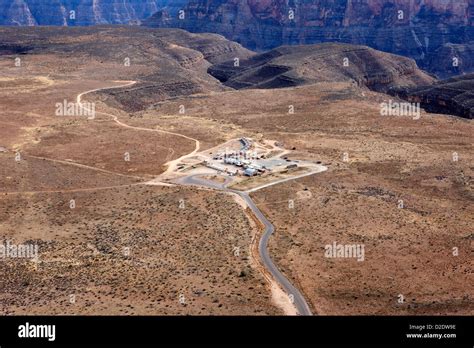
{"x": 298, "y": 299}
{"x": 171, "y": 165}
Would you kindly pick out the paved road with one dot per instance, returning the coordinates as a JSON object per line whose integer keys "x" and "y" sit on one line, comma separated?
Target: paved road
{"x": 299, "y": 300}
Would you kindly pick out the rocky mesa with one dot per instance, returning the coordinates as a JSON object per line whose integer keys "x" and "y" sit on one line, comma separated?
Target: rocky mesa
{"x": 290, "y": 66}
{"x": 165, "y": 62}
{"x": 420, "y": 29}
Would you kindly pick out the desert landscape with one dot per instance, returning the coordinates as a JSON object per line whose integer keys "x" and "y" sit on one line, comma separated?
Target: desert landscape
{"x": 150, "y": 205}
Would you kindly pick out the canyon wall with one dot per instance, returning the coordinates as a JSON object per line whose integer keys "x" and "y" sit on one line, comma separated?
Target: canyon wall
{"x": 420, "y": 29}
{"x": 86, "y": 12}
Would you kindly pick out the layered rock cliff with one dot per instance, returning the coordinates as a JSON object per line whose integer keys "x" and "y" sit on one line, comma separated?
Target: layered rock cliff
{"x": 438, "y": 34}
{"x": 420, "y": 29}
{"x": 86, "y": 12}
{"x": 453, "y": 96}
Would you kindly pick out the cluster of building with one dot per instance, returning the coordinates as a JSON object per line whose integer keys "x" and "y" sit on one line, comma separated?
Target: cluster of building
{"x": 250, "y": 162}
{"x": 250, "y": 168}
{"x": 243, "y": 159}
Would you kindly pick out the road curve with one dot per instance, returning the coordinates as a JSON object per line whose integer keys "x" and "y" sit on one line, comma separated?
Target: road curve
{"x": 120, "y": 123}
{"x": 298, "y": 299}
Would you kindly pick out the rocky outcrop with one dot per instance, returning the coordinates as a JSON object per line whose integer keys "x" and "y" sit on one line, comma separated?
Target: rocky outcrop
{"x": 15, "y": 12}
{"x": 453, "y": 96}
{"x": 417, "y": 29}
{"x": 86, "y": 12}
{"x": 289, "y": 66}
{"x": 211, "y": 47}
{"x": 167, "y": 63}
{"x": 452, "y": 59}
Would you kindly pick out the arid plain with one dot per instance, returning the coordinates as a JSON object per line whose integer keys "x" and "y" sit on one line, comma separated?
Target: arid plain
{"x": 132, "y": 246}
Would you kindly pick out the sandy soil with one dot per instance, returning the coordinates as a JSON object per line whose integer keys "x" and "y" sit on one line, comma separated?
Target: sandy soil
{"x": 131, "y": 250}
{"x": 409, "y": 251}
{"x": 374, "y": 163}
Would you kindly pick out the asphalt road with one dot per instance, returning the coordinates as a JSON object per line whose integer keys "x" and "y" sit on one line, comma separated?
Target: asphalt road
{"x": 298, "y": 299}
